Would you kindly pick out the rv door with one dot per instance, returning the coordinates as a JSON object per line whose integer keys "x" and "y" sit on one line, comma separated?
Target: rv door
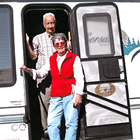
{"x": 96, "y": 38}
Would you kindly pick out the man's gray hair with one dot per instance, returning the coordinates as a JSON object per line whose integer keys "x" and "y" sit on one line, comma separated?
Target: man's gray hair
{"x": 49, "y": 14}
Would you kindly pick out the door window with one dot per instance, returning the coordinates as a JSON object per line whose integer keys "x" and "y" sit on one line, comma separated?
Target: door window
{"x": 98, "y": 34}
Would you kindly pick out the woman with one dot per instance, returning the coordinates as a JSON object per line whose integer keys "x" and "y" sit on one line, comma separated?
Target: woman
{"x": 66, "y": 70}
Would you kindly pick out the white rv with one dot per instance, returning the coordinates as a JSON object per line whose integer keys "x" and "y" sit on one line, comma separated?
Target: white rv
{"x": 106, "y": 37}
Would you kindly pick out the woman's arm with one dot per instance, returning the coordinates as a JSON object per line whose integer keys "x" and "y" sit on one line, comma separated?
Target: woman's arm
{"x": 78, "y": 74}
{"x": 30, "y": 71}
{"x": 37, "y": 73}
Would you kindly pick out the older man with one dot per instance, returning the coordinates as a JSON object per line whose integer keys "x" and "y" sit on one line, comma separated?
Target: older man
{"x": 42, "y": 50}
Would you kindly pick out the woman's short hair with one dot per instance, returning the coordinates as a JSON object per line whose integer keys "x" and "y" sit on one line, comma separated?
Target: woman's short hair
{"x": 59, "y": 36}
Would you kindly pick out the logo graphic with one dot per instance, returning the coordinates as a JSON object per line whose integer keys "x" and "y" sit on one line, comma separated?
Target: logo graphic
{"x": 105, "y": 89}
{"x": 128, "y": 46}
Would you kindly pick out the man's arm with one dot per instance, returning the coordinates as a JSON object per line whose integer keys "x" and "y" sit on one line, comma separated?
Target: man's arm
{"x": 32, "y": 55}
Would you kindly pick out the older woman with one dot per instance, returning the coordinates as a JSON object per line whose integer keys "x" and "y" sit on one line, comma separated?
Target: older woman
{"x": 66, "y": 70}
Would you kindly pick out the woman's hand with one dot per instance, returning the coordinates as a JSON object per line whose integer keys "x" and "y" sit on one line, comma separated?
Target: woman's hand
{"x": 78, "y": 99}
{"x": 23, "y": 67}
{"x": 30, "y": 71}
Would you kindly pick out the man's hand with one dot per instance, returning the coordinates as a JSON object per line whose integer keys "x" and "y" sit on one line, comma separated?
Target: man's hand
{"x": 27, "y": 38}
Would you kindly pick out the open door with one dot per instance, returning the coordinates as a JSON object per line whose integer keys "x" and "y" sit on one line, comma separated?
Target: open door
{"x": 96, "y": 38}
{"x": 32, "y": 20}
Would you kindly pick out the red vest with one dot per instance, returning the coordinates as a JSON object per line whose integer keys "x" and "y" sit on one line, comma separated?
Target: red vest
{"x": 62, "y": 81}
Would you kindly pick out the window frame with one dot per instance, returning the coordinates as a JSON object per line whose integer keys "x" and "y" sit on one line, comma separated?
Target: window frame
{"x": 112, "y": 49}
{"x": 12, "y": 47}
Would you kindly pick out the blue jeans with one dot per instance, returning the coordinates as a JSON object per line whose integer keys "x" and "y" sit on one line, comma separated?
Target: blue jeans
{"x": 58, "y": 107}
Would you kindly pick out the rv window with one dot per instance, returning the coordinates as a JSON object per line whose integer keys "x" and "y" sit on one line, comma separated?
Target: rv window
{"x": 7, "y": 77}
{"x": 98, "y": 34}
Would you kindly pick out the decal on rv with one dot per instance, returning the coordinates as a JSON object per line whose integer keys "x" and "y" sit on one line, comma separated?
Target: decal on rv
{"x": 130, "y": 44}
{"x": 105, "y": 89}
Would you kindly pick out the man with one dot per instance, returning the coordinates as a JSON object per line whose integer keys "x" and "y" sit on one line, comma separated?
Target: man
{"x": 66, "y": 71}
{"x": 42, "y": 50}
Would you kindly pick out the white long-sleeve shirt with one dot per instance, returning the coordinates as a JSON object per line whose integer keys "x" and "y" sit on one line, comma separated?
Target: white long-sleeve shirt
{"x": 78, "y": 73}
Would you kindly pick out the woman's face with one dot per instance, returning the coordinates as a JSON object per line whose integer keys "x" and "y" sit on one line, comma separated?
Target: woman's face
{"x": 60, "y": 46}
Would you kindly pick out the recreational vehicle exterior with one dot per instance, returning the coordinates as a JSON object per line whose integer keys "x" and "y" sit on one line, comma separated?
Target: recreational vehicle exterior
{"x": 105, "y": 35}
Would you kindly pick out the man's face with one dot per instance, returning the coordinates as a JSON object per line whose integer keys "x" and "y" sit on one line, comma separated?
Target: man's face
{"x": 60, "y": 46}
{"x": 49, "y": 25}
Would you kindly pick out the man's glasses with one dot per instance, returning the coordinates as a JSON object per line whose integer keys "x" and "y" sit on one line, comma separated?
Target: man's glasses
{"x": 59, "y": 44}
{"x": 50, "y": 23}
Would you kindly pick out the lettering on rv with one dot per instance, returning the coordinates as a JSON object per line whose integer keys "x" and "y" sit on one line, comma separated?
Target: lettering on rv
{"x": 100, "y": 39}
{"x": 16, "y": 102}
